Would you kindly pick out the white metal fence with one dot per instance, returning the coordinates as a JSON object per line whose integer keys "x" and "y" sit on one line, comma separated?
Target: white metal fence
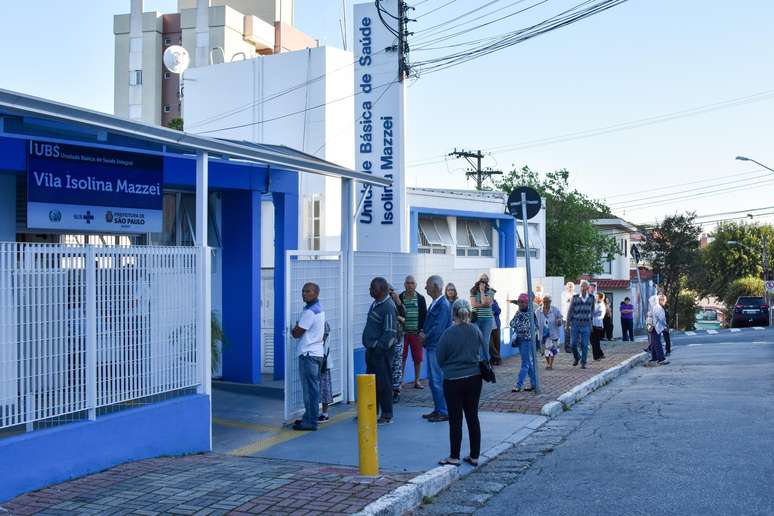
{"x": 83, "y": 328}
{"x": 326, "y": 270}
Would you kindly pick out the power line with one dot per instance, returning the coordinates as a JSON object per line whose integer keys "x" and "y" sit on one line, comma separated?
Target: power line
{"x": 712, "y": 193}
{"x": 704, "y": 182}
{"x": 622, "y": 126}
{"x": 478, "y": 173}
{"x": 286, "y": 115}
{"x": 431, "y": 11}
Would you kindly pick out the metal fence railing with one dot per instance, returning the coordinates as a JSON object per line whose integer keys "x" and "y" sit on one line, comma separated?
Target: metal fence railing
{"x": 84, "y": 328}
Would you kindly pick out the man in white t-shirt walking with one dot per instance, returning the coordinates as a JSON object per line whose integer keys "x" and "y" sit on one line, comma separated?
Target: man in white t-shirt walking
{"x": 310, "y": 330}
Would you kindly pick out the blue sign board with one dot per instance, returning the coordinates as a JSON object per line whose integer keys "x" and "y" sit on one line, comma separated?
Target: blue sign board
{"x": 76, "y": 188}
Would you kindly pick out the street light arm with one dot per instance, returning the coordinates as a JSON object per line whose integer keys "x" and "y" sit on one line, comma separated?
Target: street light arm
{"x": 743, "y": 158}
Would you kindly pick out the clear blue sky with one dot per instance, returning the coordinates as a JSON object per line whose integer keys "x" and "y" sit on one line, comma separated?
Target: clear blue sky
{"x": 644, "y": 58}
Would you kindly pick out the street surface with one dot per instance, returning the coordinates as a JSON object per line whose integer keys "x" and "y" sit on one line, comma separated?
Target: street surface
{"x": 692, "y": 437}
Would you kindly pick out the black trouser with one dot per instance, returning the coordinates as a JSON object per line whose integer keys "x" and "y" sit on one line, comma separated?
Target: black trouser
{"x": 596, "y": 339}
{"x": 378, "y": 363}
{"x": 462, "y": 396}
{"x": 667, "y": 340}
{"x": 608, "y": 329}
{"x": 627, "y": 327}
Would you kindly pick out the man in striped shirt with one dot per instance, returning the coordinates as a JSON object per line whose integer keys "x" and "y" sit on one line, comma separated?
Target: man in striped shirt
{"x": 579, "y": 316}
{"x": 416, "y": 312}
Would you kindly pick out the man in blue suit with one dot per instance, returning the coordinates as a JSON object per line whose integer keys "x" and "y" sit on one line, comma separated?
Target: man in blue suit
{"x": 437, "y": 321}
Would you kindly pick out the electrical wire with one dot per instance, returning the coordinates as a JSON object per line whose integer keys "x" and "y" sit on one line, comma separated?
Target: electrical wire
{"x": 286, "y": 115}
{"x": 654, "y": 202}
{"x": 431, "y": 11}
{"x": 621, "y": 126}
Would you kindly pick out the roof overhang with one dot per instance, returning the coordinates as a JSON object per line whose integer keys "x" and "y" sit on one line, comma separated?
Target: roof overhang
{"x": 25, "y": 105}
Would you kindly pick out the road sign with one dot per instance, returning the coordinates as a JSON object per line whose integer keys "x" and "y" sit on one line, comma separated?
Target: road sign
{"x": 635, "y": 254}
{"x": 533, "y": 202}
{"x": 770, "y": 287}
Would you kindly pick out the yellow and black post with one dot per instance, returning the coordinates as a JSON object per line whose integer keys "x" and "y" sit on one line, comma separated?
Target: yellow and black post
{"x": 366, "y": 425}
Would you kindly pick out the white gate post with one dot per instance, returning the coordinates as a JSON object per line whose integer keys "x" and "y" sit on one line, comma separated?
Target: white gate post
{"x": 91, "y": 331}
{"x": 347, "y": 262}
{"x": 203, "y": 273}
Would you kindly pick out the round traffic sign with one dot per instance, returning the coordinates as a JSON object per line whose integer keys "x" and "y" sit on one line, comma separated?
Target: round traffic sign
{"x": 533, "y": 202}
{"x": 769, "y": 286}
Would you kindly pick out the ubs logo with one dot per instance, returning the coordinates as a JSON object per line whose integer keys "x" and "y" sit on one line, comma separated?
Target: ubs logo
{"x": 48, "y": 150}
{"x": 109, "y": 217}
{"x": 55, "y": 216}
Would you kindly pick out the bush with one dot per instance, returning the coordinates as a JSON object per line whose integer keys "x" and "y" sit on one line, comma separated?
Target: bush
{"x": 747, "y": 286}
{"x": 686, "y": 311}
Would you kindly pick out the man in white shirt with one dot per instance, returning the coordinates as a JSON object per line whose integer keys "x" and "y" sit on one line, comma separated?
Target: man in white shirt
{"x": 310, "y": 330}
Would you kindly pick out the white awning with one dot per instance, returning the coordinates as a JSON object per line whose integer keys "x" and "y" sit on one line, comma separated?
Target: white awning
{"x": 463, "y": 239}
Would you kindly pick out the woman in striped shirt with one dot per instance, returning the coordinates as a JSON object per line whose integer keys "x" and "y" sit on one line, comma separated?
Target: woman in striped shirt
{"x": 481, "y": 299}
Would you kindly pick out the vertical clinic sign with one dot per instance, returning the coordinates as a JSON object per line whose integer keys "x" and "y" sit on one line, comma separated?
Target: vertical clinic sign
{"x": 379, "y": 128}
{"x": 76, "y": 188}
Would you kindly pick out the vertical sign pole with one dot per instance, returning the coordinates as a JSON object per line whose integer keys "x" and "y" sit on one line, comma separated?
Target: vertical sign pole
{"x": 91, "y": 331}
{"x": 533, "y": 352}
{"x": 203, "y": 287}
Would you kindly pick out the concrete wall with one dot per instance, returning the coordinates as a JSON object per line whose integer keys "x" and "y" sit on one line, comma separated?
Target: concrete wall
{"x": 268, "y": 100}
{"x": 36, "y": 459}
{"x": 267, "y": 10}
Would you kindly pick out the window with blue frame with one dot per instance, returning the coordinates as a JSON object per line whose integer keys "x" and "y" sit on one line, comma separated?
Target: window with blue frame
{"x": 434, "y": 235}
{"x": 474, "y": 237}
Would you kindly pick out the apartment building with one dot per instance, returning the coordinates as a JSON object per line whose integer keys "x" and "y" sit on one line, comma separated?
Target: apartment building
{"x": 212, "y": 31}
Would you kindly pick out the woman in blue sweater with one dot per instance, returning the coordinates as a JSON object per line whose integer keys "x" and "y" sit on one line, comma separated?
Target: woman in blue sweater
{"x": 460, "y": 350}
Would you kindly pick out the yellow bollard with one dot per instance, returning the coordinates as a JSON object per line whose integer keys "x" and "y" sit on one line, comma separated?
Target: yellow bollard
{"x": 366, "y": 425}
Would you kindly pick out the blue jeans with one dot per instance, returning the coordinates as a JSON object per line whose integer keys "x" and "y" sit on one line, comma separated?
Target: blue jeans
{"x": 309, "y": 372}
{"x": 627, "y": 325}
{"x": 580, "y": 339}
{"x": 486, "y": 326}
{"x": 527, "y": 365}
{"x": 435, "y": 380}
{"x": 656, "y": 349}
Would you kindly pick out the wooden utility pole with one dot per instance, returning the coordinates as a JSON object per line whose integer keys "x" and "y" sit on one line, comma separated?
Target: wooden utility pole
{"x": 478, "y": 173}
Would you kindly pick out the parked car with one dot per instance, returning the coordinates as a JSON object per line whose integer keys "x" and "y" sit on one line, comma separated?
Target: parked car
{"x": 750, "y": 311}
{"x": 707, "y": 319}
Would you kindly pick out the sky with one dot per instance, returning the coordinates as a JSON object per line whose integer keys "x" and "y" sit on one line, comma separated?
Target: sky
{"x": 642, "y": 59}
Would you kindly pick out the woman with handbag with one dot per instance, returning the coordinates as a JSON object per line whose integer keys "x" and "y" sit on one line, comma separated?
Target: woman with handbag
{"x": 549, "y": 321}
{"x": 462, "y": 354}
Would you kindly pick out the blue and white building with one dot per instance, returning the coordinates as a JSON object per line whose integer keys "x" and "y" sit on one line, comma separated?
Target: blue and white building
{"x": 104, "y": 348}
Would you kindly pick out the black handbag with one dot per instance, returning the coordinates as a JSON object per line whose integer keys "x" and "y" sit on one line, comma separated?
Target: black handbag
{"x": 487, "y": 373}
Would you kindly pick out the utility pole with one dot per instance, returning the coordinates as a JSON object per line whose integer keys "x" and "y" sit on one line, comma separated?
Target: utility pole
{"x": 403, "y": 34}
{"x": 479, "y": 174}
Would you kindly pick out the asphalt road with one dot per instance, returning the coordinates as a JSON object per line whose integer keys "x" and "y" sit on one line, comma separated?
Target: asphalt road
{"x": 692, "y": 437}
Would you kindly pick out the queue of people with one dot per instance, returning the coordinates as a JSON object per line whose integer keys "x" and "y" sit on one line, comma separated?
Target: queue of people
{"x": 455, "y": 337}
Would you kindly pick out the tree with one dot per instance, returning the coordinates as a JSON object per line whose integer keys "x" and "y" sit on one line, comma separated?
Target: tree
{"x": 672, "y": 248}
{"x": 723, "y": 263}
{"x": 574, "y": 246}
{"x": 176, "y": 123}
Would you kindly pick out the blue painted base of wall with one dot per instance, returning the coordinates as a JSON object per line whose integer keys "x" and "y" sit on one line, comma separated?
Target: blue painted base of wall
{"x": 37, "y": 459}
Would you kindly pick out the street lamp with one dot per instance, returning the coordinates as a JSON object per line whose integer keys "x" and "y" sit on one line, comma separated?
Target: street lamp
{"x": 743, "y": 158}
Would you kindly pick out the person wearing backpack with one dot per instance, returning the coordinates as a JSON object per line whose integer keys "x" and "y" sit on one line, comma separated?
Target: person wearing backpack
{"x": 310, "y": 330}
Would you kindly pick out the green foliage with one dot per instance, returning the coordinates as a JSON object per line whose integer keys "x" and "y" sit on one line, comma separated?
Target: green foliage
{"x": 176, "y": 123}
{"x": 672, "y": 248}
{"x": 747, "y": 286}
{"x": 723, "y": 263}
{"x": 574, "y": 246}
{"x": 686, "y": 310}
{"x": 216, "y": 335}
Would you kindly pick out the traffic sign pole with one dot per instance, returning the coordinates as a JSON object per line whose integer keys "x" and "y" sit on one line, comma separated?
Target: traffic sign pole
{"x": 531, "y": 308}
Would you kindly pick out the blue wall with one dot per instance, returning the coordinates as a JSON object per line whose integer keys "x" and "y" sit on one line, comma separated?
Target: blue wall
{"x": 34, "y": 460}
{"x": 242, "y": 286}
{"x": 285, "y": 238}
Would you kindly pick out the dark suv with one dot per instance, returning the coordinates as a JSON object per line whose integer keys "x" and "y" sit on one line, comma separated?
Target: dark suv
{"x": 750, "y": 311}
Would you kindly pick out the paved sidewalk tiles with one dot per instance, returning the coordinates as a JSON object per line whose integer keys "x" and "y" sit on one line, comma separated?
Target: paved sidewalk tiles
{"x": 210, "y": 484}
{"x": 499, "y": 398}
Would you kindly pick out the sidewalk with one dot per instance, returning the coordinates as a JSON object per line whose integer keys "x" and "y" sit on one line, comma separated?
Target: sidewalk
{"x": 499, "y": 398}
{"x": 257, "y": 468}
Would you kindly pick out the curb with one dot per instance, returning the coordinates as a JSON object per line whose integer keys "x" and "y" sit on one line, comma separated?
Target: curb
{"x": 408, "y": 497}
{"x": 577, "y": 393}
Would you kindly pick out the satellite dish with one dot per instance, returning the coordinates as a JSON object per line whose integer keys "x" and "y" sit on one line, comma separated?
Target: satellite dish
{"x": 176, "y": 59}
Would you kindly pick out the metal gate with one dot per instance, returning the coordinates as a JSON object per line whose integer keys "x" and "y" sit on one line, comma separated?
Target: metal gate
{"x": 326, "y": 270}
